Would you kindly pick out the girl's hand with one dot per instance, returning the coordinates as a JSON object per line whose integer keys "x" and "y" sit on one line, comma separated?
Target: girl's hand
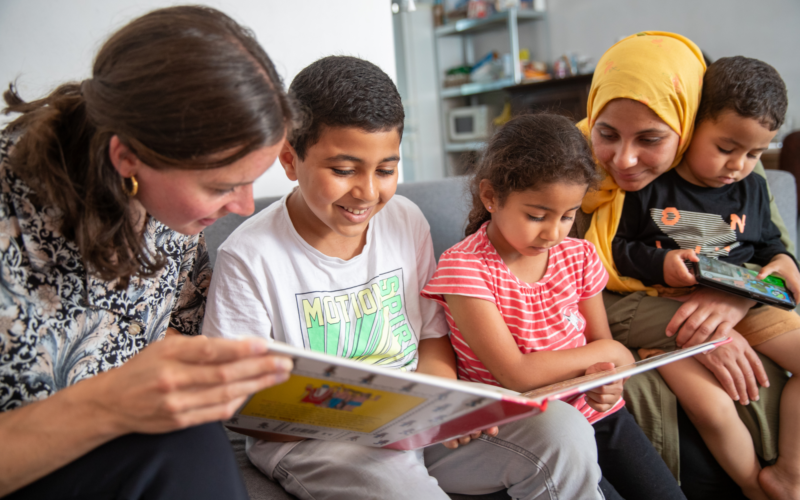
{"x": 453, "y": 443}
{"x": 783, "y": 265}
{"x": 603, "y": 398}
{"x": 676, "y": 274}
{"x": 182, "y": 381}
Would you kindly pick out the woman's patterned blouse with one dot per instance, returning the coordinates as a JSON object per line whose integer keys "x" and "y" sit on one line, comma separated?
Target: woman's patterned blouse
{"x": 59, "y": 324}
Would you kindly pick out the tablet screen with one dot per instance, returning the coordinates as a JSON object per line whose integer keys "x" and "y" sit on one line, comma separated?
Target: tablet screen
{"x": 745, "y": 279}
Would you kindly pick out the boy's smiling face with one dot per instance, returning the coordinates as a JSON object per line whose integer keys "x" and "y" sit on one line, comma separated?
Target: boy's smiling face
{"x": 345, "y": 179}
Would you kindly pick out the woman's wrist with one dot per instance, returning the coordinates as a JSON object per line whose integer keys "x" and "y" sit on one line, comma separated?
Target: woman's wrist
{"x": 44, "y": 436}
{"x": 89, "y": 401}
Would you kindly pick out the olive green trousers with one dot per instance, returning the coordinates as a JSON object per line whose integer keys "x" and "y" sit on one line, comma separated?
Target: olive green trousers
{"x": 639, "y": 321}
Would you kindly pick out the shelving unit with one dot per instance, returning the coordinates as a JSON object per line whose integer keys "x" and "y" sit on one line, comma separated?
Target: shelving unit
{"x": 471, "y": 94}
{"x": 463, "y": 147}
{"x": 475, "y": 25}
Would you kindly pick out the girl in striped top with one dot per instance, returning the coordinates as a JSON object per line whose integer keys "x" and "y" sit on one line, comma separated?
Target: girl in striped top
{"x": 523, "y": 300}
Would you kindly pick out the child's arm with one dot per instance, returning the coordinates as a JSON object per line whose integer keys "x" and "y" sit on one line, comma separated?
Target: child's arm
{"x": 771, "y": 253}
{"x": 632, "y": 257}
{"x": 484, "y": 329}
{"x": 676, "y": 273}
{"x": 593, "y": 310}
{"x": 436, "y": 357}
{"x": 639, "y": 260}
{"x": 786, "y": 267}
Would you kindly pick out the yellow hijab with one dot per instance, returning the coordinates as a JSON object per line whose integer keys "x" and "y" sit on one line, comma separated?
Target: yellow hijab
{"x": 664, "y": 71}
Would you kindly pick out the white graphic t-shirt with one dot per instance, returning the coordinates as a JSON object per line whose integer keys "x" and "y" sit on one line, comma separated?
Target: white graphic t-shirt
{"x": 268, "y": 281}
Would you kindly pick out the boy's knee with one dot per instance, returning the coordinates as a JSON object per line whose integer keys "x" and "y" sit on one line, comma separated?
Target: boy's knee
{"x": 313, "y": 469}
{"x": 561, "y": 423}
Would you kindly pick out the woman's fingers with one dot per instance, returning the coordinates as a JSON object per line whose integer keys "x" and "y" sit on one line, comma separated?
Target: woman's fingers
{"x": 178, "y": 380}
{"x": 713, "y": 327}
{"x": 737, "y": 368}
{"x": 680, "y": 317}
{"x": 750, "y": 383}
{"x": 713, "y": 360}
{"x": 740, "y": 381}
{"x": 758, "y": 368}
{"x": 698, "y": 326}
{"x": 185, "y": 401}
{"x": 181, "y": 376}
{"x": 204, "y": 350}
{"x": 197, "y": 416}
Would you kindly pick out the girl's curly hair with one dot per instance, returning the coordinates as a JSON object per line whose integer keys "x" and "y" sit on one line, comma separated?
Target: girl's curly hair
{"x": 528, "y": 152}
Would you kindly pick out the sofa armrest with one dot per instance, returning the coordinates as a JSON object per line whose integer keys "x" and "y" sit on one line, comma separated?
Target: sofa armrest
{"x": 783, "y": 187}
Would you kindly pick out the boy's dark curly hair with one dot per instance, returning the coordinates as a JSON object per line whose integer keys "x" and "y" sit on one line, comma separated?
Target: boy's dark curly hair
{"x": 529, "y": 152}
{"x": 342, "y": 91}
{"x": 749, "y": 87}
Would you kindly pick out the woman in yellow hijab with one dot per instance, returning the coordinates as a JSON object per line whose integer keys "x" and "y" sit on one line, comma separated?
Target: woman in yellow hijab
{"x": 640, "y": 118}
{"x": 660, "y": 75}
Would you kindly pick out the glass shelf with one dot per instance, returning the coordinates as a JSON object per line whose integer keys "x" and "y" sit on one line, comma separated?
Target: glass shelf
{"x": 466, "y": 26}
{"x": 463, "y": 147}
{"x": 476, "y": 88}
{"x": 479, "y": 88}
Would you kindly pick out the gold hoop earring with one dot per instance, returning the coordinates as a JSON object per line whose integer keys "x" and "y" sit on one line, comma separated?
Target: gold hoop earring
{"x": 134, "y": 187}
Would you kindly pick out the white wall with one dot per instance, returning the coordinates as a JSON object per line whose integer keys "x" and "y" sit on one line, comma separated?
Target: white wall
{"x": 765, "y": 29}
{"x": 46, "y": 42}
{"x": 422, "y": 147}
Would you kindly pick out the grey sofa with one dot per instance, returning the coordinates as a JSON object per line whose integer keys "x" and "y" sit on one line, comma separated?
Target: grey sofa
{"x": 445, "y": 205}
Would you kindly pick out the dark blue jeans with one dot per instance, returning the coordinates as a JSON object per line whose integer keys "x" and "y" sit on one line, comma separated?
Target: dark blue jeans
{"x": 630, "y": 463}
{"x": 701, "y": 475}
{"x": 195, "y": 463}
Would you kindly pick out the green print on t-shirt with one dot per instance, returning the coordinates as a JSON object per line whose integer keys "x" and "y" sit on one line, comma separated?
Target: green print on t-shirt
{"x": 366, "y": 322}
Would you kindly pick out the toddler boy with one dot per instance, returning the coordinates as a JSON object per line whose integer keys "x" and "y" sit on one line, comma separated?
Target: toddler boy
{"x": 337, "y": 266}
{"x": 710, "y": 205}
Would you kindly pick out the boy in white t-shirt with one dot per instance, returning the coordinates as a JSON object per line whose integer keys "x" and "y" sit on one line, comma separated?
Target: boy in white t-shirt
{"x": 337, "y": 266}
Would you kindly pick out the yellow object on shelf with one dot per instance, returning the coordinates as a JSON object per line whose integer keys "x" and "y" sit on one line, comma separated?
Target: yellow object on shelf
{"x": 504, "y": 117}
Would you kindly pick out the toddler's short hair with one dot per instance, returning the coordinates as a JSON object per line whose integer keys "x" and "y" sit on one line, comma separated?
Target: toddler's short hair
{"x": 342, "y": 91}
{"x": 749, "y": 87}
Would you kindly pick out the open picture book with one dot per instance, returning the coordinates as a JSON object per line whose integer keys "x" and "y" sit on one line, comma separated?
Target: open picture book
{"x": 338, "y": 399}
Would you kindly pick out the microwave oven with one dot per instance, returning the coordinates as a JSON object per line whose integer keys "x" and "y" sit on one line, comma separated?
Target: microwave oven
{"x": 473, "y": 123}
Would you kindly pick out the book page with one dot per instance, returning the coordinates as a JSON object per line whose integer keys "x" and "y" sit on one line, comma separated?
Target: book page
{"x": 339, "y": 399}
{"x": 578, "y": 385}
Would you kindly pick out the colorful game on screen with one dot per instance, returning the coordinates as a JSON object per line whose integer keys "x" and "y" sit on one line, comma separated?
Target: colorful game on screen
{"x": 745, "y": 279}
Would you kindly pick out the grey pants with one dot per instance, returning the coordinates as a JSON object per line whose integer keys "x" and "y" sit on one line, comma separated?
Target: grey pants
{"x": 549, "y": 456}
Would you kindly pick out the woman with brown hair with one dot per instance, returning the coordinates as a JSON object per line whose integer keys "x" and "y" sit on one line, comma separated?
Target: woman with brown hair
{"x": 105, "y": 188}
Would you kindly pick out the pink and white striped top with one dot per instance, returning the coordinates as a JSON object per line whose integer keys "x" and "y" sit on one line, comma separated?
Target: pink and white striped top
{"x": 541, "y": 316}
